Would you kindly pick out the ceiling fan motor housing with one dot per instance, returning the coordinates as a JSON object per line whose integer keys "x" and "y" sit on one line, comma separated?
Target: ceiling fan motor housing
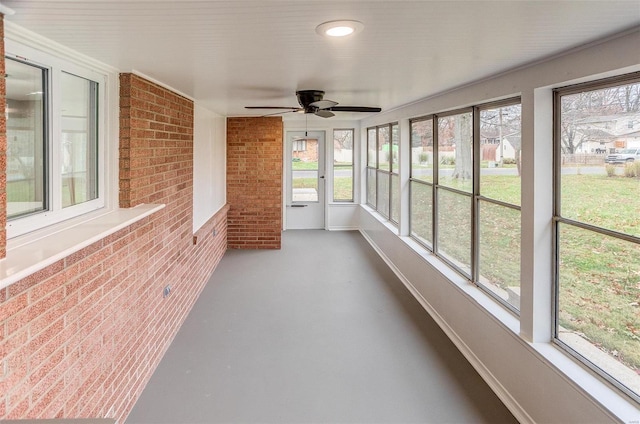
{"x": 306, "y": 97}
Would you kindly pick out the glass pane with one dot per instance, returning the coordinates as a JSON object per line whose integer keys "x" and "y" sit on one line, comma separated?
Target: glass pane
{"x": 343, "y": 165}
{"x": 598, "y": 293}
{"x": 422, "y": 212}
{"x": 371, "y": 187}
{"x": 26, "y": 146}
{"x": 455, "y": 151}
{"x": 304, "y": 170}
{"x": 79, "y": 144}
{"x": 500, "y": 153}
{"x": 500, "y": 251}
{"x": 395, "y": 198}
{"x": 454, "y": 228}
{"x": 372, "y": 160}
{"x": 384, "y": 154}
{"x": 422, "y": 150}
{"x": 600, "y": 147}
{"x": 395, "y": 145}
{"x": 382, "y": 204}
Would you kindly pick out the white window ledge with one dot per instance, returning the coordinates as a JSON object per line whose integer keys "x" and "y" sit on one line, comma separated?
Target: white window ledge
{"x": 35, "y": 251}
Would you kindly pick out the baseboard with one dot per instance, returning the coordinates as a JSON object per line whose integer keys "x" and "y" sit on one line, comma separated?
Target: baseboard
{"x": 503, "y": 394}
{"x": 345, "y": 228}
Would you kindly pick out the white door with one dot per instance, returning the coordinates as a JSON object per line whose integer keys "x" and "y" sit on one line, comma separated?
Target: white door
{"x": 305, "y": 194}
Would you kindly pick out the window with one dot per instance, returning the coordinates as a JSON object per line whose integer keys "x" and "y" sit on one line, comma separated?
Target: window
{"x": 343, "y": 165}
{"x": 597, "y": 230}
{"x": 421, "y": 181}
{"x": 299, "y": 145}
{"x": 465, "y": 196}
{"x": 79, "y": 143}
{"x": 54, "y": 140}
{"x": 394, "y": 195}
{"x": 383, "y": 173}
{"x": 498, "y": 202}
{"x": 383, "y": 181}
{"x": 453, "y": 195}
{"x": 27, "y": 139}
{"x": 372, "y": 164}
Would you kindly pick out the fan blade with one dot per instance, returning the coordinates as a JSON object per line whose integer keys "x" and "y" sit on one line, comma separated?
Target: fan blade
{"x": 279, "y": 113}
{"x": 294, "y": 109}
{"x": 355, "y": 109}
{"x": 324, "y": 113}
{"x": 323, "y": 104}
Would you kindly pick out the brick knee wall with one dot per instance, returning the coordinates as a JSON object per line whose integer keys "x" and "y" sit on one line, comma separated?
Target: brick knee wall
{"x": 254, "y": 182}
{"x": 82, "y": 337}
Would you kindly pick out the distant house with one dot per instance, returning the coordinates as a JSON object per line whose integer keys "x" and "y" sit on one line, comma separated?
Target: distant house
{"x": 305, "y": 149}
{"x": 495, "y": 151}
{"x": 607, "y": 133}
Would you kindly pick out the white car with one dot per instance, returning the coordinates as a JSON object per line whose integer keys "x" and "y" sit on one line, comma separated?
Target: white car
{"x": 625, "y": 156}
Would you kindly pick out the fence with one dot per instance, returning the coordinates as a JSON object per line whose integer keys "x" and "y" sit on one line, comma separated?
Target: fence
{"x": 583, "y": 159}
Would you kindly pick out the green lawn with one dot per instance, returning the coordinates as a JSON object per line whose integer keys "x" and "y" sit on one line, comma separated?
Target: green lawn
{"x": 599, "y": 290}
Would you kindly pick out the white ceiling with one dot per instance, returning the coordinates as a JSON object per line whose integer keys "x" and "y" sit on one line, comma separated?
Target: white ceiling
{"x": 231, "y": 54}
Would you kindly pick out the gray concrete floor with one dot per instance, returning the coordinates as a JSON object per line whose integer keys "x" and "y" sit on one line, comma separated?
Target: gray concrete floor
{"x": 318, "y": 332}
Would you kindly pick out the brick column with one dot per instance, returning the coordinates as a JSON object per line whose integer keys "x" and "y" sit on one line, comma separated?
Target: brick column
{"x": 254, "y": 182}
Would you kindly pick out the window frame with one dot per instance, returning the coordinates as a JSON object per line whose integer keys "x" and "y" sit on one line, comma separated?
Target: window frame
{"x": 437, "y": 186}
{"x": 55, "y": 65}
{"x": 430, "y": 184}
{"x": 353, "y": 141}
{"x": 475, "y": 197}
{"x": 478, "y": 197}
{"x": 558, "y": 220}
{"x": 388, "y": 173}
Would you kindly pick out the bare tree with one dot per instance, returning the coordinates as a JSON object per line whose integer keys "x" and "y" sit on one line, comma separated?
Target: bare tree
{"x": 456, "y": 131}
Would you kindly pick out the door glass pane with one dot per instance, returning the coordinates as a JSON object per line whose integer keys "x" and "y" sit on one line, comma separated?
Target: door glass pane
{"x": 79, "y": 144}
{"x": 26, "y": 144}
{"x": 422, "y": 150}
{"x": 304, "y": 170}
{"x": 454, "y": 228}
{"x": 455, "y": 151}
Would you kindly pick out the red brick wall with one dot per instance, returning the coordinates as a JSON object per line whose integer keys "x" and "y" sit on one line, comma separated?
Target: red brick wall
{"x": 82, "y": 337}
{"x": 254, "y": 182}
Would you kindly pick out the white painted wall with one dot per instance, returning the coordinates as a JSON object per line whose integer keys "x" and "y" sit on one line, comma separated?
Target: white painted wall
{"x": 535, "y": 379}
{"x": 209, "y": 165}
{"x": 338, "y": 215}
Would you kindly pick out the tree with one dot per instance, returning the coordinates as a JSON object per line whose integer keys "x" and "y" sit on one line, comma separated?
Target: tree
{"x": 343, "y": 139}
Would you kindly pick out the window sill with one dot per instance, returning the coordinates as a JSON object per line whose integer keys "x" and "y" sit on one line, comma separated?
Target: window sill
{"x": 34, "y": 251}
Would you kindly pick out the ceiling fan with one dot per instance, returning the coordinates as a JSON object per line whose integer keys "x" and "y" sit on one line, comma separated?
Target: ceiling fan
{"x": 311, "y": 101}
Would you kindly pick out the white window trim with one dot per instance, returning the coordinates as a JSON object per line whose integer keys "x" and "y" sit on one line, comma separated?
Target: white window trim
{"x": 22, "y": 44}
